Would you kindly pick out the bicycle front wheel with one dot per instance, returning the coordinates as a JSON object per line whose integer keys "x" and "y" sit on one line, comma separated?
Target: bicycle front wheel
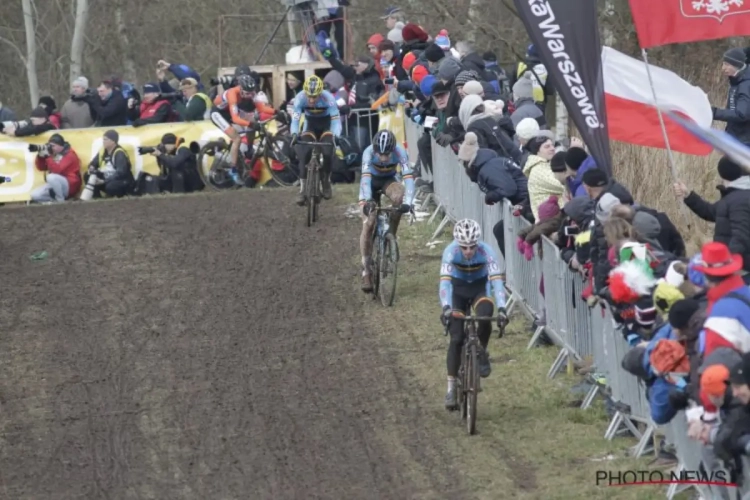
{"x": 388, "y": 270}
{"x": 463, "y": 382}
{"x": 280, "y": 165}
{"x": 375, "y": 266}
{"x": 312, "y": 194}
{"x": 472, "y": 376}
{"x": 213, "y": 168}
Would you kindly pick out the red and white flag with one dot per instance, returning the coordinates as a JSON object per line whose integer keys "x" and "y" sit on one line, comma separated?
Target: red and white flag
{"x": 631, "y": 115}
{"x": 662, "y": 22}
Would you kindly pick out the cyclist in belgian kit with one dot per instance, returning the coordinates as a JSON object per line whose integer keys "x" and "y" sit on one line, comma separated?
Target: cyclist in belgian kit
{"x": 380, "y": 163}
{"x": 468, "y": 271}
{"x": 322, "y": 124}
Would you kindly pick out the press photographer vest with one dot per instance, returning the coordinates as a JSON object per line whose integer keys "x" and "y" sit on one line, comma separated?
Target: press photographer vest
{"x": 209, "y": 104}
{"x": 106, "y": 163}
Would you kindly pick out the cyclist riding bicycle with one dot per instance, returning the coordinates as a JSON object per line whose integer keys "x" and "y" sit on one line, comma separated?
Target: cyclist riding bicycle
{"x": 233, "y": 111}
{"x": 322, "y": 124}
{"x": 380, "y": 174}
{"x": 468, "y": 271}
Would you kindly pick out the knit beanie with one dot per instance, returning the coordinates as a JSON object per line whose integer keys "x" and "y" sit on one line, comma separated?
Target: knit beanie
{"x": 433, "y": 53}
{"x": 427, "y": 84}
{"x": 395, "y": 35}
{"x": 681, "y": 312}
{"x": 489, "y": 57}
{"x": 574, "y": 157}
{"x": 440, "y": 88}
{"x": 443, "y": 42}
{"x": 469, "y": 148}
{"x": 169, "y": 138}
{"x": 473, "y": 88}
{"x": 48, "y": 102}
{"x": 729, "y": 170}
{"x": 375, "y": 40}
{"x": 413, "y": 33}
{"x": 736, "y": 57}
{"x": 465, "y": 77}
{"x": 56, "y": 139}
{"x": 527, "y": 128}
{"x": 81, "y": 81}
{"x": 449, "y": 69}
{"x": 605, "y": 206}
{"x": 595, "y": 178}
{"x": 523, "y": 88}
{"x": 549, "y": 209}
{"x": 557, "y": 163}
{"x": 112, "y": 135}
{"x": 408, "y": 61}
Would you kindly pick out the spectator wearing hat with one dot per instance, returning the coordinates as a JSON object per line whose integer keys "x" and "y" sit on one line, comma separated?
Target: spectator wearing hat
{"x": 731, "y": 214}
{"x": 393, "y": 16}
{"x": 542, "y": 182}
{"x": 387, "y": 61}
{"x": 415, "y": 38}
{"x": 578, "y": 162}
{"x": 490, "y": 131}
{"x": 152, "y": 108}
{"x": 50, "y": 106}
{"x": 196, "y": 105}
{"x": 178, "y": 165}
{"x": 373, "y": 45}
{"x": 472, "y": 61}
{"x": 366, "y": 84}
{"x": 737, "y": 112}
{"x": 557, "y": 164}
{"x": 395, "y": 35}
{"x": 112, "y": 167}
{"x": 63, "y": 168}
{"x": 38, "y": 123}
{"x": 440, "y": 97}
{"x": 109, "y": 107}
{"x": 523, "y": 101}
{"x": 76, "y": 112}
{"x": 537, "y": 73}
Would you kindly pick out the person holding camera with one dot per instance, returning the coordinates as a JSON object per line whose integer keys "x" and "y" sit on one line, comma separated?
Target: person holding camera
{"x": 177, "y": 164}
{"x": 153, "y": 108}
{"x": 63, "y": 167}
{"x": 76, "y": 112}
{"x": 37, "y": 124}
{"x": 110, "y": 170}
{"x": 196, "y": 105}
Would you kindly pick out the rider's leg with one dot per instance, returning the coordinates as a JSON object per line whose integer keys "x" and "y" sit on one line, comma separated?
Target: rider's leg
{"x": 456, "y": 330}
{"x": 365, "y": 247}
{"x": 484, "y": 306}
{"x": 395, "y": 192}
{"x": 325, "y": 169}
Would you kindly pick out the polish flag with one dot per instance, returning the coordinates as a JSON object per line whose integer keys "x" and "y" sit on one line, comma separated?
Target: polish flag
{"x": 631, "y": 115}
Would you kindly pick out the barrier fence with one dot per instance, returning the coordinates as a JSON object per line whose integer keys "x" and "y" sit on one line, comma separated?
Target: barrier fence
{"x": 579, "y": 332}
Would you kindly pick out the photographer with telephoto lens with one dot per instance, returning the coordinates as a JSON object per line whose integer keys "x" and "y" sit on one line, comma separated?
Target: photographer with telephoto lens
{"x": 177, "y": 165}
{"x": 109, "y": 171}
{"x": 63, "y": 167}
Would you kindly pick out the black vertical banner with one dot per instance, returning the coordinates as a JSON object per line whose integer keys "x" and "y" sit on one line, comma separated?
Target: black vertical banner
{"x": 566, "y": 34}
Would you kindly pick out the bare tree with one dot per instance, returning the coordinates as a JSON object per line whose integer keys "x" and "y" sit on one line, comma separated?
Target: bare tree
{"x": 30, "y": 60}
{"x": 128, "y": 64}
{"x": 79, "y": 39}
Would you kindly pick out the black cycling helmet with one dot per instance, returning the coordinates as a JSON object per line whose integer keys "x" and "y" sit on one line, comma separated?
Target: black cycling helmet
{"x": 384, "y": 142}
{"x": 246, "y": 83}
{"x": 242, "y": 70}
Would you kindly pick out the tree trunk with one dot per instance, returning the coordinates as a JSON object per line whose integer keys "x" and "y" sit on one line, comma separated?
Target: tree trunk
{"x": 475, "y": 15}
{"x": 608, "y": 34}
{"x": 77, "y": 45}
{"x": 561, "y": 119}
{"x": 128, "y": 65}
{"x": 30, "y": 62}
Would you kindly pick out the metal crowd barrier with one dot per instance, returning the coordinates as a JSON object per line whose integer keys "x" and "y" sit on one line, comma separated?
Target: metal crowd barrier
{"x": 579, "y": 331}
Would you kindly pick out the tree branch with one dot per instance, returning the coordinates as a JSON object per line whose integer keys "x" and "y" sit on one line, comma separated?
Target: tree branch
{"x": 15, "y": 47}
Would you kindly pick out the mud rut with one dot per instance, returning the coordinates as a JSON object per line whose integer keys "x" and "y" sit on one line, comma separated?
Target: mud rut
{"x": 205, "y": 347}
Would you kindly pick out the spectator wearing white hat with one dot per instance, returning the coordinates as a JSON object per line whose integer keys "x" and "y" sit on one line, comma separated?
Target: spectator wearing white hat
{"x": 76, "y": 112}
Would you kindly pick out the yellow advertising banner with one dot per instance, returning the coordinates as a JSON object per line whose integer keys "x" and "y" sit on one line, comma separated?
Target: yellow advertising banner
{"x": 393, "y": 120}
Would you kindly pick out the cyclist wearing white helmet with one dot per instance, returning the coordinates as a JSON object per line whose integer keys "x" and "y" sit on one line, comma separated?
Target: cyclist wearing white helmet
{"x": 381, "y": 163}
{"x": 469, "y": 274}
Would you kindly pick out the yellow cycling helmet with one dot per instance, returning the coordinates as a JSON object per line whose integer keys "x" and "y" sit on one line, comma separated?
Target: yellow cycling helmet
{"x": 313, "y": 86}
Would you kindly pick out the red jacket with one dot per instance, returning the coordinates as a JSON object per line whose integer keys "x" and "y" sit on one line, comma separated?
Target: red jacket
{"x": 68, "y": 165}
{"x": 55, "y": 119}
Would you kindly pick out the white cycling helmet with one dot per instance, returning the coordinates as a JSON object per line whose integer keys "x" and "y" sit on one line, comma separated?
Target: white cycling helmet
{"x": 467, "y": 232}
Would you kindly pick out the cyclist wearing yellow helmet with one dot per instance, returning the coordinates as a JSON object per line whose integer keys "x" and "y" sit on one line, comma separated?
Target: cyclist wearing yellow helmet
{"x": 322, "y": 124}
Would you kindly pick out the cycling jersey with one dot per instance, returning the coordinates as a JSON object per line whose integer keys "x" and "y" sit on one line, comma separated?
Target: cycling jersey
{"x": 482, "y": 266}
{"x": 321, "y": 113}
{"x": 233, "y": 106}
{"x": 373, "y": 167}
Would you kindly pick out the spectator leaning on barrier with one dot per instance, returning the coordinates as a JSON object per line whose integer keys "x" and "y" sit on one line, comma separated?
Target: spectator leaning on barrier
{"x": 440, "y": 96}
{"x": 731, "y": 214}
{"x": 542, "y": 182}
{"x": 737, "y": 112}
{"x": 76, "y": 112}
{"x": 472, "y": 61}
{"x": 669, "y": 238}
{"x": 38, "y": 124}
{"x": 474, "y": 118}
{"x": 491, "y": 64}
{"x": 152, "y": 109}
{"x": 63, "y": 167}
{"x": 178, "y": 165}
{"x": 112, "y": 167}
{"x": 50, "y": 106}
{"x": 196, "y": 106}
{"x": 109, "y": 107}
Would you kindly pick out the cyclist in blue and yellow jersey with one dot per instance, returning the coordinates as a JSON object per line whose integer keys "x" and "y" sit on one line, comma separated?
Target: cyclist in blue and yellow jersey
{"x": 380, "y": 174}
{"x": 322, "y": 124}
{"x": 468, "y": 271}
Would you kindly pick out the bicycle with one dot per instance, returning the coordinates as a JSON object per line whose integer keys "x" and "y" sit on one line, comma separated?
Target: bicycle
{"x": 313, "y": 188}
{"x": 385, "y": 254}
{"x": 267, "y": 149}
{"x": 467, "y": 383}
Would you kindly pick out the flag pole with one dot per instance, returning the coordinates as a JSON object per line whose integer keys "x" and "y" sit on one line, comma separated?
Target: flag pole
{"x": 661, "y": 117}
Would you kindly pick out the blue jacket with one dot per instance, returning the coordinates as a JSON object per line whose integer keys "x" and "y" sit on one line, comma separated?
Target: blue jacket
{"x": 575, "y": 185}
{"x": 499, "y": 178}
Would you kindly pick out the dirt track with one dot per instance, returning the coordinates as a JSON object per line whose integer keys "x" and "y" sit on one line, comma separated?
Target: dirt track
{"x": 205, "y": 347}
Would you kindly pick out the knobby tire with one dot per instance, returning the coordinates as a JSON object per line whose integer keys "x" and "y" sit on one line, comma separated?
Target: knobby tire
{"x": 388, "y": 270}
{"x": 463, "y": 383}
{"x": 312, "y": 192}
{"x": 472, "y": 389}
{"x": 215, "y": 163}
{"x": 271, "y": 151}
{"x": 375, "y": 258}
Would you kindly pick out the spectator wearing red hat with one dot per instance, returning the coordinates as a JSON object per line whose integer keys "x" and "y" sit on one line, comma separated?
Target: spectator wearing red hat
{"x": 415, "y": 38}
{"x": 373, "y": 45}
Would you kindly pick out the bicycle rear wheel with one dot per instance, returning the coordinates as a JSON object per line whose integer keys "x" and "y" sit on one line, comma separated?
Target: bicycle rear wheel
{"x": 388, "y": 270}
{"x": 472, "y": 389}
{"x": 213, "y": 168}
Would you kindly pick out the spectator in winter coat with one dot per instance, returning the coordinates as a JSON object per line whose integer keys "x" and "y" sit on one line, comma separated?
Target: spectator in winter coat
{"x": 533, "y": 64}
{"x": 472, "y": 61}
{"x": 38, "y": 124}
{"x": 50, "y": 106}
{"x": 578, "y": 214}
{"x": 670, "y": 239}
{"x": 731, "y": 214}
{"x": 491, "y": 64}
{"x": 542, "y": 181}
{"x": 373, "y": 45}
{"x": 112, "y": 167}
{"x": 497, "y": 177}
{"x": 578, "y": 162}
{"x": 63, "y": 179}
{"x": 523, "y": 99}
{"x": 474, "y": 118}
{"x": 415, "y": 38}
{"x": 181, "y": 72}
{"x": 109, "y": 107}
{"x": 366, "y": 85}
{"x": 196, "y": 105}
{"x": 152, "y": 109}
{"x": 76, "y": 112}
{"x": 737, "y": 113}
{"x": 178, "y": 165}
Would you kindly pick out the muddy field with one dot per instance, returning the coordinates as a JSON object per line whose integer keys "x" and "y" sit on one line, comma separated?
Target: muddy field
{"x": 204, "y": 347}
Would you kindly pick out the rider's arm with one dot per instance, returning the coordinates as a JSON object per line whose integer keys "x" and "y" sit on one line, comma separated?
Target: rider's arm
{"x": 493, "y": 270}
{"x": 333, "y": 112}
{"x": 446, "y": 276}
{"x": 365, "y": 181}
{"x": 299, "y": 108}
{"x": 406, "y": 174}
{"x": 233, "y": 97}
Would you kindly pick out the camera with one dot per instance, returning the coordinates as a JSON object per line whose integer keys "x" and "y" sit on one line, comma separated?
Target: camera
{"x": 146, "y": 150}
{"x": 571, "y": 230}
{"x": 42, "y": 149}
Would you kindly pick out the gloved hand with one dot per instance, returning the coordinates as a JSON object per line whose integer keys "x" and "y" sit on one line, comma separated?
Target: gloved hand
{"x": 520, "y": 244}
{"x": 444, "y": 139}
{"x": 502, "y": 320}
{"x": 528, "y": 251}
{"x": 293, "y": 142}
{"x": 445, "y": 315}
{"x": 404, "y": 208}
